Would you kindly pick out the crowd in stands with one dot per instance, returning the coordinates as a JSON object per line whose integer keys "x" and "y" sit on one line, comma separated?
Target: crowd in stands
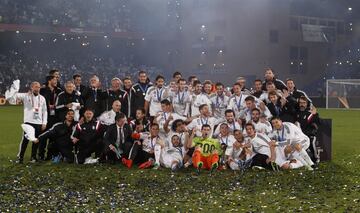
{"x": 30, "y": 69}
{"x": 109, "y": 14}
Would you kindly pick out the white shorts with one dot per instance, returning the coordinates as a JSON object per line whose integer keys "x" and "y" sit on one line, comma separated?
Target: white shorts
{"x": 280, "y": 159}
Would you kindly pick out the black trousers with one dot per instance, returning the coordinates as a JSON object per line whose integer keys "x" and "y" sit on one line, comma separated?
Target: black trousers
{"x": 66, "y": 149}
{"x": 25, "y": 141}
{"x": 312, "y": 150}
{"x": 50, "y": 144}
{"x": 260, "y": 160}
{"x": 86, "y": 148}
{"x": 138, "y": 155}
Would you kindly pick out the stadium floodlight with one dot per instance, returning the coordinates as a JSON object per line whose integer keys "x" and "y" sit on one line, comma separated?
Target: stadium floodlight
{"x": 343, "y": 93}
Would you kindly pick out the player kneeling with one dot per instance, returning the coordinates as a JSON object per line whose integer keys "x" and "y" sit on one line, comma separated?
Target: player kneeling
{"x": 207, "y": 150}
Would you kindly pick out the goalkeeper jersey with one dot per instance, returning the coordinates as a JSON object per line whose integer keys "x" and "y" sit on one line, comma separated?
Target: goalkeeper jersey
{"x": 208, "y": 145}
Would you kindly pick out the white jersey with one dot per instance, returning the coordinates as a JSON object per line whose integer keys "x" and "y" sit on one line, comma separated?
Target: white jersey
{"x": 107, "y": 118}
{"x": 35, "y": 110}
{"x": 154, "y": 96}
{"x": 232, "y": 127}
{"x": 291, "y": 134}
{"x": 236, "y": 152}
{"x": 197, "y": 123}
{"x": 229, "y": 141}
{"x": 171, "y": 155}
{"x": 260, "y": 144}
{"x": 148, "y": 143}
{"x": 266, "y": 113}
{"x": 237, "y": 104}
{"x": 265, "y": 96}
{"x": 181, "y": 102}
{"x": 219, "y": 105}
{"x": 196, "y": 101}
{"x": 162, "y": 117}
{"x": 261, "y": 127}
{"x": 181, "y": 135}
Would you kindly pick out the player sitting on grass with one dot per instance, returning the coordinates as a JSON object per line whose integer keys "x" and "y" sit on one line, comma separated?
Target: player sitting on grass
{"x": 263, "y": 148}
{"x": 143, "y": 150}
{"x": 172, "y": 156}
{"x": 226, "y": 141}
{"x": 207, "y": 150}
{"x": 61, "y": 132}
{"x": 293, "y": 139}
{"x": 240, "y": 156}
{"x": 88, "y": 138}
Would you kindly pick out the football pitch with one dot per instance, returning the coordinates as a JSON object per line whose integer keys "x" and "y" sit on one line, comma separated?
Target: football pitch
{"x": 334, "y": 187}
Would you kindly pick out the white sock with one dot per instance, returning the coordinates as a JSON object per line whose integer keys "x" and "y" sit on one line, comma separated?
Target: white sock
{"x": 306, "y": 157}
{"x": 298, "y": 157}
{"x": 234, "y": 166}
{"x": 157, "y": 153}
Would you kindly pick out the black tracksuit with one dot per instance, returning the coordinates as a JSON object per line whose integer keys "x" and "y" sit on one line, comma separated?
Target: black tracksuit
{"x": 137, "y": 97}
{"x": 90, "y": 136}
{"x": 64, "y": 99}
{"x": 61, "y": 134}
{"x": 309, "y": 125}
{"x": 50, "y": 97}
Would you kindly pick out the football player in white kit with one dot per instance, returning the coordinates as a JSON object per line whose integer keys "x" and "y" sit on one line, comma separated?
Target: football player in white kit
{"x": 261, "y": 125}
{"x": 240, "y": 157}
{"x": 204, "y": 118}
{"x": 264, "y": 149}
{"x": 181, "y": 99}
{"x": 226, "y": 141}
{"x": 231, "y": 122}
{"x": 237, "y": 102}
{"x": 172, "y": 157}
{"x": 198, "y": 98}
{"x": 293, "y": 140}
{"x": 154, "y": 96}
{"x": 219, "y": 102}
{"x": 166, "y": 116}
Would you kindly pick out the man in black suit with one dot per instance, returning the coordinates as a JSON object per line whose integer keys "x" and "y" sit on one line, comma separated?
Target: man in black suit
{"x": 117, "y": 139}
{"x": 79, "y": 88}
{"x": 94, "y": 97}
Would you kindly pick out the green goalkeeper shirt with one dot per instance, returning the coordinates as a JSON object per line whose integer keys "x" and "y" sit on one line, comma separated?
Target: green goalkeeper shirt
{"x": 208, "y": 145}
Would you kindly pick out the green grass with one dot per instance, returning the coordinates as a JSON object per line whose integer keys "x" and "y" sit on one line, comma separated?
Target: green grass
{"x": 334, "y": 187}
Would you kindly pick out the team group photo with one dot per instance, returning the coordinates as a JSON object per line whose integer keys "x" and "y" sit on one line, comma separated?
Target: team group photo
{"x": 179, "y": 106}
